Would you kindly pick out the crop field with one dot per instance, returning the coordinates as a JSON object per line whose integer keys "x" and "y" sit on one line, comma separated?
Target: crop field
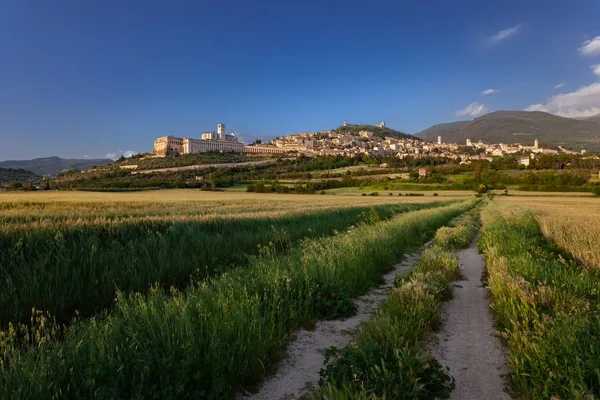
{"x": 144, "y": 292}
{"x": 64, "y": 255}
{"x": 188, "y": 294}
{"x": 542, "y": 271}
{"x": 572, "y": 223}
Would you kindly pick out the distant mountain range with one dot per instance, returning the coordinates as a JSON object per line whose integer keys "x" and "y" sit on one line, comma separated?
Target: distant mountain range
{"x": 51, "y": 166}
{"x": 521, "y": 127}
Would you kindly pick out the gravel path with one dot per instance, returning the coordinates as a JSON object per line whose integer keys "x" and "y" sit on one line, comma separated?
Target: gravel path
{"x": 467, "y": 342}
{"x": 299, "y": 370}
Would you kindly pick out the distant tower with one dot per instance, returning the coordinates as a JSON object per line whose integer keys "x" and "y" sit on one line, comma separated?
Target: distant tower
{"x": 439, "y": 140}
{"x": 469, "y": 144}
{"x": 221, "y": 131}
{"x": 536, "y": 144}
{"x": 382, "y": 124}
{"x": 345, "y": 123}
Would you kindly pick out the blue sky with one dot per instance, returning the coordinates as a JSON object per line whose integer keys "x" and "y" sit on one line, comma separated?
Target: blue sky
{"x": 90, "y": 78}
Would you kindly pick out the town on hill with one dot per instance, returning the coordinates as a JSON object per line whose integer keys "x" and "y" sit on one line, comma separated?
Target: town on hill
{"x": 351, "y": 155}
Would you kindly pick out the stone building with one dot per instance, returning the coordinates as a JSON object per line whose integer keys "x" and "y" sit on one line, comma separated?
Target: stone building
{"x": 210, "y": 141}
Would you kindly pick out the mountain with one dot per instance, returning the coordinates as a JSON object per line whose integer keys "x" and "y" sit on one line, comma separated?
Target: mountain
{"x": 377, "y": 131}
{"x": 520, "y": 127}
{"x": 8, "y": 175}
{"x": 51, "y": 166}
{"x": 447, "y": 131}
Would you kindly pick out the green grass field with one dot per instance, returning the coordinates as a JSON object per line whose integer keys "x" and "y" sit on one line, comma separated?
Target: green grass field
{"x": 220, "y": 332}
{"x": 190, "y": 294}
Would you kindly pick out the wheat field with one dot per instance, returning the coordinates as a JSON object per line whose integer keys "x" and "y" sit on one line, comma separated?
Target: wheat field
{"x": 572, "y": 223}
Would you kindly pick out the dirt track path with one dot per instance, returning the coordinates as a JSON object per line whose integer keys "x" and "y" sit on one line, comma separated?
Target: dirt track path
{"x": 304, "y": 357}
{"x": 467, "y": 343}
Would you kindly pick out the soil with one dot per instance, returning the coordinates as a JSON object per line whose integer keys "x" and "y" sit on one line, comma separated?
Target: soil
{"x": 467, "y": 342}
{"x": 298, "y": 372}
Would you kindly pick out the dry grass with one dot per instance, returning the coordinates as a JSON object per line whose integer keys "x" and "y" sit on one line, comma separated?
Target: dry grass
{"x": 183, "y": 195}
{"x": 573, "y": 223}
{"x": 44, "y": 207}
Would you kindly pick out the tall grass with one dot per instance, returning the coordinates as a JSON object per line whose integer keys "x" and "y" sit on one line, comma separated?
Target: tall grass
{"x": 385, "y": 359}
{"x": 225, "y": 332}
{"x": 71, "y": 267}
{"x": 573, "y": 224}
{"x": 546, "y": 306}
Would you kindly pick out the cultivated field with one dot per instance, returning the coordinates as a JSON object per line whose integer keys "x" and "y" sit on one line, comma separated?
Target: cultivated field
{"x": 189, "y": 294}
{"x": 572, "y": 223}
{"x": 546, "y": 298}
{"x": 244, "y": 281}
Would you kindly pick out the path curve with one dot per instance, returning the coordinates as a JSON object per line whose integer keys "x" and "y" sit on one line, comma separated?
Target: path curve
{"x": 467, "y": 342}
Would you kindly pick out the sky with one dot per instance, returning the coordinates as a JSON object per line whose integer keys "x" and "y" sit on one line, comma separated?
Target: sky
{"x": 95, "y": 79}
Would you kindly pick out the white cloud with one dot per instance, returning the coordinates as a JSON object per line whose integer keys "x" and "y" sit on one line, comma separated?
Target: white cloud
{"x": 591, "y": 47}
{"x": 119, "y": 153}
{"x": 490, "y": 92}
{"x": 505, "y": 34}
{"x": 472, "y": 110}
{"x": 559, "y": 85}
{"x": 584, "y": 102}
{"x": 596, "y": 69}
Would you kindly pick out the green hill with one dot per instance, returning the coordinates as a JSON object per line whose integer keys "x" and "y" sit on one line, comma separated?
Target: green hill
{"x": 10, "y": 175}
{"x": 377, "y": 131}
{"x": 50, "y": 166}
{"x": 520, "y": 127}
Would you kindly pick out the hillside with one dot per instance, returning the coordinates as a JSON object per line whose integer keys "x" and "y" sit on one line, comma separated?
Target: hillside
{"x": 520, "y": 127}
{"x": 377, "y": 131}
{"x": 50, "y": 166}
{"x": 186, "y": 160}
{"x": 594, "y": 118}
{"x": 447, "y": 131}
{"x": 9, "y": 175}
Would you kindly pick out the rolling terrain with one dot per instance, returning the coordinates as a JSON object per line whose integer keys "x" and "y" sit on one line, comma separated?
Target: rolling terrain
{"x": 8, "y": 175}
{"x": 52, "y": 165}
{"x": 521, "y": 127}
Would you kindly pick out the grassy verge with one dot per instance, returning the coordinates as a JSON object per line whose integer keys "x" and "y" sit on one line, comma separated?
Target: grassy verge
{"x": 546, "y": 306}
{"x": 70, "y": 268}
{"x": 224, "y": 332}
{"x": 385, "y": 360}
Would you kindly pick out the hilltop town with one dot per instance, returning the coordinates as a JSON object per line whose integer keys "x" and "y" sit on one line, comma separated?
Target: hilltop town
{"x": 354, "y": 140}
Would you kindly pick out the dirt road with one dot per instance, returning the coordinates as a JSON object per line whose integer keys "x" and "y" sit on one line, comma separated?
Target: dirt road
{"x": 467, "y": 343}
{"x": 299, "y": 370}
